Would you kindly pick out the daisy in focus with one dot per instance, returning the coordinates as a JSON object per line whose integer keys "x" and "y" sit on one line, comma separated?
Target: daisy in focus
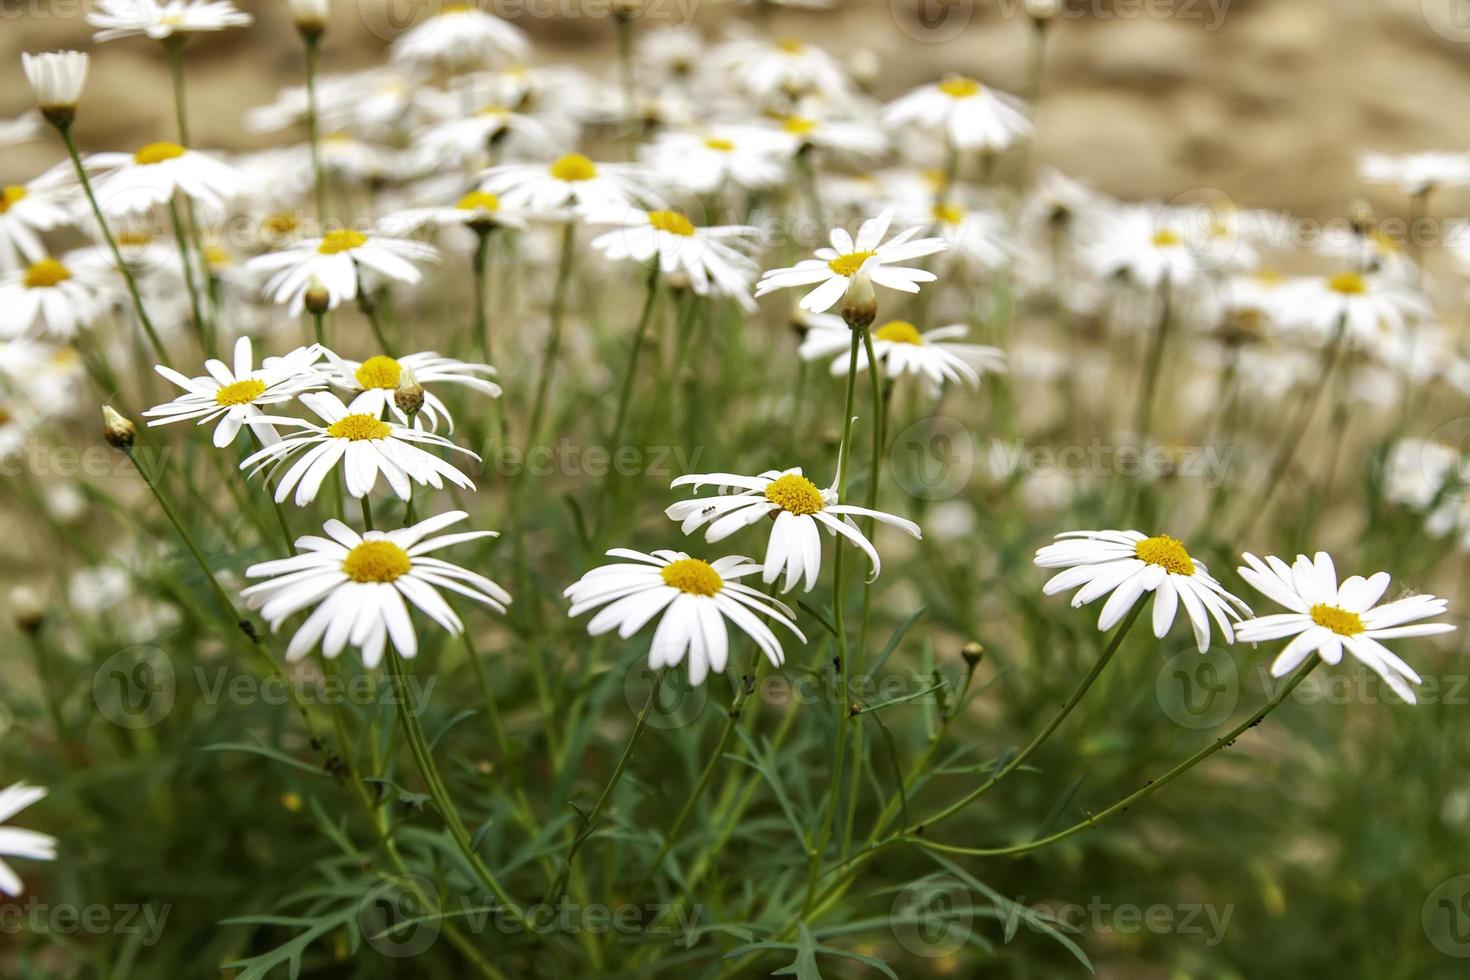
{"x": 1129, "y": 564}
{"x": 569, "y": 181}
{"x": 233, "y": 397}
{"x": 970, "y": 115}
{"x": 902, "y": 349}
{"x": 335, "y": 264}
{"x": 833, "y": 270}
{"x": 692, "y": 600}
{"x": 364, "y": 444}
{"x": 358, "y": 583}
{"x": 377, "y": 379}
{"x": 136, "y": 183}
{"x": 159, "y": 21}
{"x": 1327, "y": 617}
{"x": 701, "y": 254}
{"x": 15, "y": 842}
{"x": 799, "y": 509}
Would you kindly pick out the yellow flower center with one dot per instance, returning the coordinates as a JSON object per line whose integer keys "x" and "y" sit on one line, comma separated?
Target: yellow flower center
{"x": 240, "y": 392}
{"x": 791, "y": 45}
{"x": 379, "y": 371}
{"x": 1164, "y": 238}
{"x": 796, "y": 494}
{"x": 960, "y": 87}
{"x": 376, "y": 561}
{"x": 950, "y": 214}
{"x": 574, "y": 167}
{"x": 479, "y": 201}
{"x": 1166, "y": 552}
{"x": 723, "y": 145}
{"x": 672, "y": 222}
{"x": 798, "y": 125}
{"x": 849, "y": 264}
{"x": 158, "y": 152}
{"x": 899, "y": 332}
{"x": 217, "y": 257}
{"x": 359, "y": 427}
{"x": 341, "y": 240}
{"x": 46, "y": 273}
{"x": 281, "y": 224}
{"x": 1348, "y": 283}
{"x": 9, "y": 195}
{"x": 134, "y": 238}
{"x": 1385, "y": 241}
{"x": 455, "y": 8}
{"x": 692, "y": 576}
{"x": 1337, "y": 619}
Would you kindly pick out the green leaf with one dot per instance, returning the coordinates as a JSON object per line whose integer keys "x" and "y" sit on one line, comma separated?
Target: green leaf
{"x": 265, "y": 752}
{"x": 894, "y": 640}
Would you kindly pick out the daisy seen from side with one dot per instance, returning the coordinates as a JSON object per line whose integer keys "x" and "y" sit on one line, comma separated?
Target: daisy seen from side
{"x": 834, "y": 268}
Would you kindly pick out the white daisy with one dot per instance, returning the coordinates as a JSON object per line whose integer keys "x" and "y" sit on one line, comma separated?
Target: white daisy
{"x": 1373, "y": 309}
{"x": 149, "y": 18}
{"x": 480, "y": 210}
{"x": 776, "y": 72}
{"x": 972, "y": 116}
{"x": 1145, "y": 244}
{"x": 137, "y": 183}
{"x": 234, "y": 397}
{"x": 55, "y": 297}
{"x": 799, "y": 509}
{"x": 1416, "y": 470}
{"x": 364, "y": 444}
{"x": 1128, "y": 564}
{"x": 466, "y": 139}
{"x": 461, "y": 37}
{"x": 15, "y": 842}
{"x": 979, "y": 240}
{"x": 701, "y": 254}
{"x": 842, "y": 137}
{"x": 22, "y": 129}
{"x": 694, "y": 597}
{"x": 358, "y": 584}
{"x": 902, "y": 349}
{"x": 57, "y": 78}
{"x": 834, "y": 268}
{"x": 27, "y": 210}
{"x": 376, "y": 380}
{"x": 1327, "y": 617}
{"x": 334, "y": 263}
{"x": 572, "y": 180}
{"x": 706, "y": 161}
{"x": 1416, "y": 173}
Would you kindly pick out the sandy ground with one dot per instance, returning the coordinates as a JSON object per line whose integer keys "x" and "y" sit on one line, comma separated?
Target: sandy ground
{"x": 1268, "y": 102}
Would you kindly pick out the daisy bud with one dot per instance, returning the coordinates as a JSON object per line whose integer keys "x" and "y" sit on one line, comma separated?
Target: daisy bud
{"x": 118, "y": 430}
{"x": 1362, "y": 217}
{"x": 865, "y": 67}
{"x": 310, "y": 17}
{"x": 1042, "y": 10}
{"x": 972, "y": 652}
{"x": 57, "y": 78}
{"x": 627, "y": 9}
{"x": 409, "y": 397}
{"x": 859, "y": 303}
{"x": 317, "y": 299}
{"x": 27, "y": 609}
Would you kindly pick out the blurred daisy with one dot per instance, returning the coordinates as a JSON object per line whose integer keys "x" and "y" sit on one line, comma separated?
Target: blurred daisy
{"x": 1327, "y": 617}
{"x": 833, "y": 268}
{"x": 27, "y": 210}
{"x": 234, "y": 397}
{"x": 479, "y": 210}
{"x": 377, "y": 379}
{"x": 149, "y": 18}
{"x": 977, "y": 239}
{"x": 706, "y": 161}
{"x": 692, "y": 600}
{"x": 972, "y": 116}
{"x": 53, "y": 297}
{"x": 701, "y": 254}
{"x": 334, "y": 263}
{"x": 15, "y": 842}
{"x": 1128, "y": 564}
{"x": 1416, "y": 173}
{"x": 1146, "y": 244}
{"x": 365, "y": 445}
{"x": 358, "y": 584}
{"x": 1371, "y": 308}
{"x": 1416, "y": 470}
{"x": 779, "y": 71}
{"x": 57, "y": 78}
{"x": 799, "y": 509}
{"x": 845, "y": 138}
{"x": 902, "y": 349}
{"x": 136, "y": 183}
{"x": 460, "y": 37}
{"x": 467, "y": 139}
{"x": 571, "y": 180}
{"x": 22, "y": 129}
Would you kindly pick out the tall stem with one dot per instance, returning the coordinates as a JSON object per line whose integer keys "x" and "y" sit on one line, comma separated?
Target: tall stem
{"x": 553, "y": 337}
{"x": 313, "y": 134}
{"x": 196, "y": 309}
{"x": 174, "y": 45}
{"x": 640, "y": 335}
{"x": 1153, "y": 363}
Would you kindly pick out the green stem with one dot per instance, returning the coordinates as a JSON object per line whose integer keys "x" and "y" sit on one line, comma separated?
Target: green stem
{"x": 1153, "y": 363}
{"x": 640, "y": 335}
{"x": 206, "y": 342}
{"x": 553, "y": 336}
{"x": 48, "y": 689}
{"x": 174, "y": 45}
{"x": 319, "y": 181}
{"x": 367, "y": 512}
{"x": 480, "y": 267}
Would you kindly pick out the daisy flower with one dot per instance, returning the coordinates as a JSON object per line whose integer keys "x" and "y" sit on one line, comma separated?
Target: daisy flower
{"x": 840, "y": 136}
{"x": 28, "y": 209}
{"x": 977, "y": 239}
{"x": 377, "y": 378}
{"x": 680, "y": 247}
{"x": 1416, "y": 173}
{"x": 694, "y": 598}
{"x": 706, "y": 161}
{"x": 233, "y": 398}
{"x": 479, "y": 210}
{"x": 1146, "y": 244}
{"x": 52, "y": 296}
{"x": 465, "y": 140}
{"x": 136, "y": 183}
{"x": 834, "y": 268}
{"x": 57, "y": 78}
{"x": 971, "y": 116}
{"x": 1127, "y": 564}
{"x": 1372, "y": 308}
{"x": 460, "y": 37}
{"x": 15, "y": 842}
{"x": 902, "y": 349}
{"x": 778, "y": 71}
{"x": 358, "y": 583}
{"x": 22, "y": 129}
{"x": 149, "y": 18}
{"x": 365, "y": 445}
{"x": 571, "y": 180}
{"x": 334, "y": 263}
{"x": 799, "y": 509}
{"x": 1327, "y": 617}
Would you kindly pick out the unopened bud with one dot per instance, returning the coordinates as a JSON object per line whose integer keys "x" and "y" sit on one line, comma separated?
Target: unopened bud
{"x": 972, "y": 652}
{"x": 27, "y": 608}
{"x": 1042, "y": 10}
{"x": 859, "y": 303}
{"x": 310, "y": 17}
{"x": 119, "y": 431}
{"x": 317, "y": 299}
{"x": 409, "y": 397}
{"x": 1362, "y": 218}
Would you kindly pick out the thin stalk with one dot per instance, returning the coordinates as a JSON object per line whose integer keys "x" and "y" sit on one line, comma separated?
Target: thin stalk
{"x": 640, "y": 336}
{"x": 367, "y": 512}
{"x": 196, "y": 310}
{"x": 48, "y": 689}
{"x": 369, "y": 307}
{"x": 553, "y": 337}
{"x": 1153, "y": 363}
{"x": 480, "y": 267}
{"x": 313, "y": 135}
{"x": 174, "y": 45}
